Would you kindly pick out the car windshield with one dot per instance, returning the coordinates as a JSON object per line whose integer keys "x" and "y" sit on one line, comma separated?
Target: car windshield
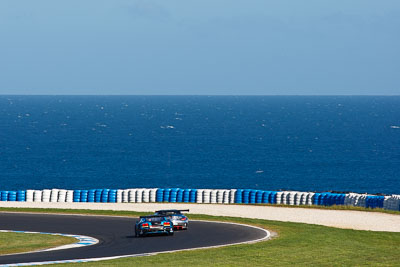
{"x": 155, "y": 219}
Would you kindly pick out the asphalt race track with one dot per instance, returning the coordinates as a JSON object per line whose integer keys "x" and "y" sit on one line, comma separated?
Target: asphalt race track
{"x": 116, "y": 236}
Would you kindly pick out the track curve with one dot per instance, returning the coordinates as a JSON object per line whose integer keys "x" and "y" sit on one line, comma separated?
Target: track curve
{"x": 116, "y": 236}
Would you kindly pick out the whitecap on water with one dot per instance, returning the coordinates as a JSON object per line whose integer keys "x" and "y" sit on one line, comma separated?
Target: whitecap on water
{"x": 101, "y": 125}
{"x": 395, "y": 127}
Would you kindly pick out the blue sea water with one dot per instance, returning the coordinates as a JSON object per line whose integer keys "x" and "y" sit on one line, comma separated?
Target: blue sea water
{"x": 309, "y": 143}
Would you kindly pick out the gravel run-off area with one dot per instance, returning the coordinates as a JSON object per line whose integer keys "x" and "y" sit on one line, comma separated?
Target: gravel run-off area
{"x": 358, "y": 220}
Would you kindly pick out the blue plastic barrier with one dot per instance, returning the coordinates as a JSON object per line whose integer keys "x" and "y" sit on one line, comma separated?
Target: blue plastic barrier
{"x": 167, "y": 194}
{"x": 173, "y": 193}
{"x": 160, "y": 195}
{"x": 322, "y": 200}
{"x": 374, "y": 202}
{"x": 239, "y": 196}
{"x": 368, "y": 201}
{"x": 186, "y": 195}
{"x": 12, "y": 196}
{"x": 112, "y": 196}
{"x": 316, "y": 199}
{"x": 77, "y": 195}
{"x": 328, "y": 199}
{"x": 85, "y": 196}
{"x": 380, "y": 201}
{"x": 325, "y": 199}
{"x": 259, "y": 196}
{"x": 246, "y": 196}
{"x": 339, "y": 199}
{"x": 342, "y": 199}
{"x": 265, "y": 197}
{"x": 335, "y": 199}
{"x": 97, "y": 196}
{"x": 21, "y": 195}
{"x": 92, "y": 195}
{"x": 252, "y": 196}
{"x": 272, "y": 197}
{"x": 104, "y": 195}
{"x": 179, "y": 195}
{"x": 193, "y": 196}
{"x": 4, "y": 195}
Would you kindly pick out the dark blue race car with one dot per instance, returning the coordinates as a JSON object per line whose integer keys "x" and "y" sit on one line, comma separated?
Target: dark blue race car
{"x": 153, "y": 224}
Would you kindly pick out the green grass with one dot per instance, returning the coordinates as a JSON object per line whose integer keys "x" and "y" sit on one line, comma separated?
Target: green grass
{"x": 20, "y": 242}
{"x": 296, "y": 245}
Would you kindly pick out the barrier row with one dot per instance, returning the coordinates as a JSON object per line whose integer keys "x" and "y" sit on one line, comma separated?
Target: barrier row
{"x": 12, "y": 195}
{"x": 392, "y": 202}
{"x": 220, "y": 196}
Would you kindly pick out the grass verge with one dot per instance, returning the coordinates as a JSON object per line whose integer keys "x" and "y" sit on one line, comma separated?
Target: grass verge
{"x": 297, "y": 244}
{"x": 19, "y": 242}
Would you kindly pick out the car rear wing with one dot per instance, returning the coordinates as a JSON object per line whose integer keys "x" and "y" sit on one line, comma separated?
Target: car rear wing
{"x": 184, "y": 210}
{"x": 160, "y": 211}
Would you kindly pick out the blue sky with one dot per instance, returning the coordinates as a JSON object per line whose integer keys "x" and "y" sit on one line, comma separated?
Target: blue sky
{"x": 265, "y": 47}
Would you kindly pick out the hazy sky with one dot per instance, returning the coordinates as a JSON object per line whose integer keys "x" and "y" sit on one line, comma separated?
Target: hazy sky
{"x": 200, "y": 47}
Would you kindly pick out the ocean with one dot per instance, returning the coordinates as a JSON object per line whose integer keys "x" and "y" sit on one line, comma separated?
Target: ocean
{"x": 307, "y": 143}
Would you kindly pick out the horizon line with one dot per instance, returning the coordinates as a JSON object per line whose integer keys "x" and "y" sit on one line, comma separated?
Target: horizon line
{"x": 206, "y": 95}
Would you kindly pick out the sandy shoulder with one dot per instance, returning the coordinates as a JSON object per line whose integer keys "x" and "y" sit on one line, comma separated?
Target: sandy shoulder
{"x": 357, "y": 220}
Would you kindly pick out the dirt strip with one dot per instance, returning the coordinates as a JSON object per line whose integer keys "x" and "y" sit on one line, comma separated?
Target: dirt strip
{"x": 357, "y": 220}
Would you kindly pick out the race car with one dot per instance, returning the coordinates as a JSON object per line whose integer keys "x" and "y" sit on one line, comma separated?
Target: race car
{"x": 179, "y": 220}
{"x": 153, "y": 224}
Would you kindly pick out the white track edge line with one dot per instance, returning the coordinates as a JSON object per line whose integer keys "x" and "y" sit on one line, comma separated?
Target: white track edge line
{"x": 266, "y": 237}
